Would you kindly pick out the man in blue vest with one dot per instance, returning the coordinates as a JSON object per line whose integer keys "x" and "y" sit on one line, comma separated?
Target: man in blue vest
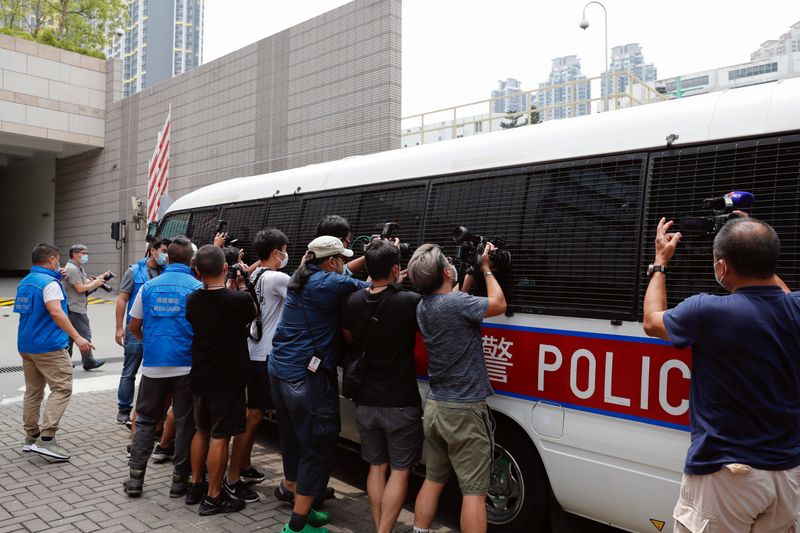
{"x": 43, "y": 335}
{"x": 137, "y": 275}
{"x": 158, "y": 318}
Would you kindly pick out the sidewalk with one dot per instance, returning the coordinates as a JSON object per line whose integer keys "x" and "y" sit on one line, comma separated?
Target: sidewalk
{"x": 85, "y": 494}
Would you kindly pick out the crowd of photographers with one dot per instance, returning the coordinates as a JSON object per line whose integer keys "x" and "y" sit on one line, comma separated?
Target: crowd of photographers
{"x": 220, "y": 343}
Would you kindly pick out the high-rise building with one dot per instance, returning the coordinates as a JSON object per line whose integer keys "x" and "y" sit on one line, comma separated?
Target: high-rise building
{"x": 564, "y": 94}
{"x": 164, "y": 38}
{"x": 788, "y": 43}
{"x": 514, "y": 101}
{"x": 628, "y": 58}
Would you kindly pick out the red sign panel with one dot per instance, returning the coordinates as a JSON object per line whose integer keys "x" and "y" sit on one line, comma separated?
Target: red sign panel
{"x": 628, "y": 377}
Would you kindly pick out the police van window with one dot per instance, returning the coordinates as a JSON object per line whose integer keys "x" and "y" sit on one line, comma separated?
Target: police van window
{"x": 284, "y": 214}
{"x": 404, "y": 206}
{"x": 203, "y": 225}
{"x": 243, "y": 222}
{"x": 580, "y": 236}
{"x": 173, "y": 225}
{"x": 682, "y": 179}
{"x": 344, "y": 204}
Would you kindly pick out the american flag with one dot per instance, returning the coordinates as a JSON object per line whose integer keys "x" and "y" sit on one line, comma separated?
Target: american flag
{"x": 158, "y": 171}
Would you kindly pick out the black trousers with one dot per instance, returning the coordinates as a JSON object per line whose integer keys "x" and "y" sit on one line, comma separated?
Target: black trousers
{"x": 153, "y": 393}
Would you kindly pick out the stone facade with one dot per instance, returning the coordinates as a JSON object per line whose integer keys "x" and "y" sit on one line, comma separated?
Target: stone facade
{"x": 325, "y": 89}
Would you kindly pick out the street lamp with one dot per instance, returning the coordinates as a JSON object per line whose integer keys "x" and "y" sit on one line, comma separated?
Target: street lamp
{"x": 585, "y": 24}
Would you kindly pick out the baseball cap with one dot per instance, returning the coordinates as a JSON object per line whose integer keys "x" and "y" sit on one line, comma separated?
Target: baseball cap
{"x": 327, "y": 246}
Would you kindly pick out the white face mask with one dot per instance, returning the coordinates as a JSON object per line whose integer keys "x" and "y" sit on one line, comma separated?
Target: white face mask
{"x": 285, "y": 260}
{"x": 453, "y": 273}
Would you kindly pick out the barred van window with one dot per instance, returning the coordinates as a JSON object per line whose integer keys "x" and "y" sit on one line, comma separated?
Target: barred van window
{"x": 681, "y": 179}
{"x": 244, "y": 221}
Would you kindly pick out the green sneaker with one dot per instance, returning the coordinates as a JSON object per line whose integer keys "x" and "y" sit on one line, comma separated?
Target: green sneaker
{"x": 307, "y": 529}
{"x": 50, "y": 449}
{"x": 28, "y": 442}
{"x": 318, "y": 518}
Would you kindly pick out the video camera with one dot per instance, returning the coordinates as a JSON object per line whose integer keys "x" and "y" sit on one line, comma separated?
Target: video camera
{"x": 469, "y": 249}
{"x": 108, "y": 277}
{"x": 722, "y": 209}
{"x": 386, "y": 233}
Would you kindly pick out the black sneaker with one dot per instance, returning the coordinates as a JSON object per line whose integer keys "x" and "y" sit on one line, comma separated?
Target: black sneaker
{"x": 196, "y": 492}
{"x": 180, "y": 485}
{"x": 97, "y": 363}
{"x": 221, "y": 504}
{"x": 161, "y": 455}
{"x": 240, "y": 491}
{"x": 123, "y": 417}
{"x": 128, "y": 451}
{"x": 251, "y": 475}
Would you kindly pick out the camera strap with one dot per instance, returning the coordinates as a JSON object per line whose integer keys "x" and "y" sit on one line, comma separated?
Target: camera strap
{"x": 316, "y": 357}
{"x": 374, "y": 318}
{"x": 252, "y": 288}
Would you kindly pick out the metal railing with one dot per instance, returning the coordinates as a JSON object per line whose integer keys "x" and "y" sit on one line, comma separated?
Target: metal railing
{"x": 453, "y": 122}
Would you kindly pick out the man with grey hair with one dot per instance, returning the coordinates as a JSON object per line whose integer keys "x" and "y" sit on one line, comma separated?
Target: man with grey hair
{"x": 77, "y": 286}
{"x": 457, "y": 422}
{"x": 742, "y": 470}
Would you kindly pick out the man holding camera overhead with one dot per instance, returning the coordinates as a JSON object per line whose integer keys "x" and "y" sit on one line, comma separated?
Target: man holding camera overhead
{"x": 77, "y": 286}
{"x": 742, "y": 470}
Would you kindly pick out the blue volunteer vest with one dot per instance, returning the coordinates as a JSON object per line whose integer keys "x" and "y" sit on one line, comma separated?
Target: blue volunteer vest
{"x": 140, "y": 277}
{"x": 167, "y": 335}
{"x": 38, "y": 333}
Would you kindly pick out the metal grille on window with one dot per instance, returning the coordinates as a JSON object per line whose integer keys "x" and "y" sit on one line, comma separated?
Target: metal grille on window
{"x": 203, "y": 225}
{"x": 681, "y": 179}
{"x": 315, "y": 209}
{"x": 283, "y": 214}
{"x": 243, "y": 224}
{"x": 173, "y": 225}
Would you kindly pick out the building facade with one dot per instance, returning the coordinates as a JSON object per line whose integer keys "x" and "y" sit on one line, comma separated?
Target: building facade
{"x": 788, "y": 43}
{"x": 563, "y": 94}
{"x": 751, "y": 73}
{"x": 164, "y": 38}
{"x": 510, "y": 98}
{"x": 627, "y": 58}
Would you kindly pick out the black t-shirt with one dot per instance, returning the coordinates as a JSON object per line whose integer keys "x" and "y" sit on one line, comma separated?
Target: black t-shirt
{"x": 390, "y": 379}
{"x": 220, "y": 358}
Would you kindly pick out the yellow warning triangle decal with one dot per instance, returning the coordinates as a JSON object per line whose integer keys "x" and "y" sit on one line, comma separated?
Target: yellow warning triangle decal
{"x": 658, "y": 524}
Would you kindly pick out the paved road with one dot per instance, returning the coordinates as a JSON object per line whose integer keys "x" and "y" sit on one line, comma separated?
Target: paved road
{"x": 93, "y": 409}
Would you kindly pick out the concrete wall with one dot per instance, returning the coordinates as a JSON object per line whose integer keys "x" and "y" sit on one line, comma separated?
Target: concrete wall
{"x": 27, "y": 187}
{"x": 325, "y": 89}
{"x": 51, "y": 94}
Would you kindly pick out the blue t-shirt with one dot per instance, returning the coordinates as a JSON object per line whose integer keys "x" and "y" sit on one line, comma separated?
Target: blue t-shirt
{"x": 451, "y": 328}
{"x": 745, "y": 391}
{"x": 314, "y": 310}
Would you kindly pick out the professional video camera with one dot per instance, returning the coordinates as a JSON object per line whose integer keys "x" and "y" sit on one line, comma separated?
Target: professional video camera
{"x": 108, "y": 277}
{"x": 723, "y": 210}
{"x": 469, "y": 249}
{"x": 386, "y": 232}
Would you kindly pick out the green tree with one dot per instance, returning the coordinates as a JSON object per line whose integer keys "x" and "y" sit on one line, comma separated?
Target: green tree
{"x": 84, "y": 26}
{"x": 533, "y": 117}
{"x": 512, "y": 120}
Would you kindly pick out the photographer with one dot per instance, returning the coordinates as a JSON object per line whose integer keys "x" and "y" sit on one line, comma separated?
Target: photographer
{"x": 302, "y": 372}
{"x": 741, "y": 471}
{"x": 78, "y": 285}
{"x": 382, "y": 320}
{"x": 137, "y": 275}
{"x": 269, "y": 285}
{"x": 457, "y": 422}
{"x": 339, "y": 227}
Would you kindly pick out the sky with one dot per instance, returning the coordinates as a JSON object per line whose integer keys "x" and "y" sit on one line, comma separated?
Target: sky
{"x": 454, "y": 51}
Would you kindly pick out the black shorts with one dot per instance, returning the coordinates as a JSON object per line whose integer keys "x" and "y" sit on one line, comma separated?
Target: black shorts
{"x": 390, "y": 435}
{"x": 222, "y": 414}
{"x": 258, "y": 395}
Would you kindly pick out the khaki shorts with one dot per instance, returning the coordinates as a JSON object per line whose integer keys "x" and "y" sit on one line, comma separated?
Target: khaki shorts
{"x": 458, "y": 435}
{"x": 739, "y": 498}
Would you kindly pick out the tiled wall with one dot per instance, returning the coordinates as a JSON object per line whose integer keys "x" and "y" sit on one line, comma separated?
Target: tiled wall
{"x": 325, "y": 89}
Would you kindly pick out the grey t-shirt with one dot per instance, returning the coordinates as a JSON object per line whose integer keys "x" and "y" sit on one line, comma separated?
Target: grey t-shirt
{"x": 76, "y": 301}
{"x": 126, "y": 283}
{"x": 450, "y": 325}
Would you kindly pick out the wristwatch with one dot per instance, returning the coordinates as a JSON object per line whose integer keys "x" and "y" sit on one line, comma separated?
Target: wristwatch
{"x": 651, "y": 268}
